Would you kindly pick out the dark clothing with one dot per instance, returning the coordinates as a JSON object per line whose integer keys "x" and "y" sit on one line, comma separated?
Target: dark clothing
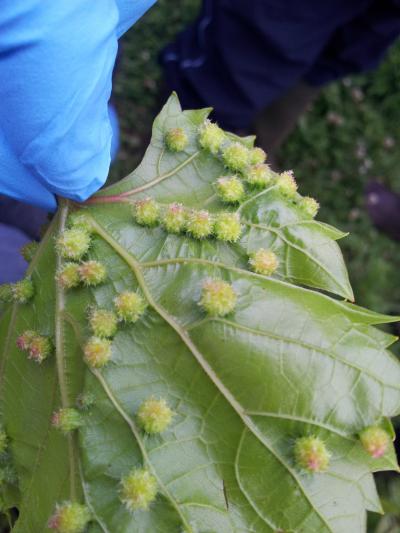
{"x": 239, "y": 56}
{"x": 19, "y": 224}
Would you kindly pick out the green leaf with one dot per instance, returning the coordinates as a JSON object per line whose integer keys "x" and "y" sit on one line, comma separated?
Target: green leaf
{"x": 287, "y": 362}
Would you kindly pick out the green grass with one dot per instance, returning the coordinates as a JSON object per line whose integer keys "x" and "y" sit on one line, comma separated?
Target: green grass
{"x": 332, "y": 163}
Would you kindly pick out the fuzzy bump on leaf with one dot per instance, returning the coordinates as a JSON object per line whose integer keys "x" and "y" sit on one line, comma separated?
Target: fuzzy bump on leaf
{"x": 264, "y": 262}
{"x": 174, "y": 219}
{"x": 73, "y": 243}
{"x": 103, "y": 322}
{"x": 23, "y": 291}
{"x": 69, "y": 517}
{"x": 211, "y": 136}
{"x": 236, "y": 157}
{"x": 311, "y": 454}
{"x": 230, "y": 189}
{"x": 154, "y": 415}
{"x": 97, "y": 352}
{"x": 138, "y": 489}
{"x": 146, "y": 212}
{"x": 199, "y": 224}
{"x": 375, "y": 441}
{"x": 176, "y": 140}
{"x": 129, "y": 306}
{"x": 66, "y": 419}
{"x": 218, "y": 297}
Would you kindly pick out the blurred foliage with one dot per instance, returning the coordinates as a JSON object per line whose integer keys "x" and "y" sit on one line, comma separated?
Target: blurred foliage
{"x": 389, "y": 490}
{"x": 350, "y": 135}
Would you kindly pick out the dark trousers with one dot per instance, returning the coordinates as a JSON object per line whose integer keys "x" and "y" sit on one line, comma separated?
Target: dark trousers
{"x": 241, "y": 55}
{"x": 19, "y": 224}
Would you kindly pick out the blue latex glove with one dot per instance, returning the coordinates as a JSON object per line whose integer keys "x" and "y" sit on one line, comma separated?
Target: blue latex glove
{"x": 56, "y": 62}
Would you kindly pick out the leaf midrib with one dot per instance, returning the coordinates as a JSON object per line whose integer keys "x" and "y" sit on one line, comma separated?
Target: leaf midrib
{"x": 60, "y": 358}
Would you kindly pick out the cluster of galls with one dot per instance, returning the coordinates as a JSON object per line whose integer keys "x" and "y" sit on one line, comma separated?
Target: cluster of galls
{"x": 129, "y": 306}
{"x": 66, "y": 419}
{"x": 176, "y": 218}
{"x": 218, "y": 299}
{"x": 72, "y": 245}
{"x": 138, "y": 487}
{"x": 312, "y": 455}
{"x": 247, "y": 164}
{"x": 225, "y": 226}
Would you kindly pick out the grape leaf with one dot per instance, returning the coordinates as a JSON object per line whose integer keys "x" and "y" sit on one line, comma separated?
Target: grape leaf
{"x": 288, "y": 361}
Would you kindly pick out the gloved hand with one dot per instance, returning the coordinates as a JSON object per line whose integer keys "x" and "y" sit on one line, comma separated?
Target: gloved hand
{"x": 56, "y": 62}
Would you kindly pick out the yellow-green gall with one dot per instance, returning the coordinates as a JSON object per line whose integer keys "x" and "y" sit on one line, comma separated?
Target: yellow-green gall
{"x": 79, "y": 219}
{"x": 311, "y": 454}
{"x": 92, "y": 273}
{"x": 66, "y": 419}
{"x": 230, "y": 189}
{"x": 263, "y": 262}
{"x": 103, "y": 323}
{"x": 73, "y": 243}
{"x": 29, "y": 250}
{"x": 70, "y": 517}
{"x": 174, "y": 219}
{"x": 25, "y": 339}
{"x": 129, "y": 306}
{"x": 3, "y": 441}
{"x": 146, "y": 212}
{"x": 85, "y": 401}
{"x": 38, "y": 346}
{"x": 227, "y": 227}
{"x": 22, "y": 291}
{"x": 68, "y": 277}
{"x": 199, "y": 224}
{"x": 138, "y": 489}
{"x": 211, "y": 136}
{"x": 236, "y": 157}
{"x": 176, "y": 140}
{"x": 97, "y": 352}
{"x": 259, "y": 175}
{"x": 309, "y": 205}
{"x": 154, "y": 416}
{"x": 257, "y": 156}
{"x": 218, "y": 297}
{"x": 286, "y": 184}
{"x": 6, "y": 294}
{"x": 375, "y": 441}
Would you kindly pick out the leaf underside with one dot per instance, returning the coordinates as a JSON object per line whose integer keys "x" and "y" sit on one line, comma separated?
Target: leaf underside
{"x": 289, "y": 361}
